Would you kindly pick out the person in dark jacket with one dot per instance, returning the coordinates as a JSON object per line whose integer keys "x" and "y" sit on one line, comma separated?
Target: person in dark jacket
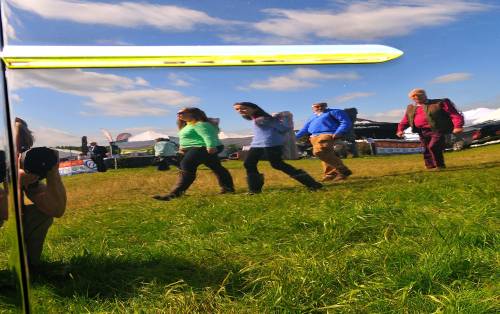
{"x": 268, "y": 140}
{"x": 324, "y": 128}
{"x": 97, "y": 154}
{"x": 432, "y": 119}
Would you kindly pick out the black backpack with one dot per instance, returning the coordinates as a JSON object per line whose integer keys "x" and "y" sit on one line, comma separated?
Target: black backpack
{"x": 352, "y": 113}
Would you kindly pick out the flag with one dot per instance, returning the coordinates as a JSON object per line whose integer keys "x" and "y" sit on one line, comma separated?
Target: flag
{"x": 107, "y": 135}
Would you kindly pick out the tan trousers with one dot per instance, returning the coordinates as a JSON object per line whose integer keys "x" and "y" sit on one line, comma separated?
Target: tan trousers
{"x": 323, "y": 149}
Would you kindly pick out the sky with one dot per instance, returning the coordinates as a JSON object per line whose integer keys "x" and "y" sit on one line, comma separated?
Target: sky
{"x": 451, "y": 49}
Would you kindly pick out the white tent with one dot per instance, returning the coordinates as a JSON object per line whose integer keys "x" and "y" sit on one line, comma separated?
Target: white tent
{"x": 146, "y": 136}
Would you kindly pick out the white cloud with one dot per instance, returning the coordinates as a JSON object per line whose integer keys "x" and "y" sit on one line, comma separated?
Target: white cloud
{"x": 367, "y": 20}
{"x": 301, "y": 78}
{"x": 15, "y": 98}
{"x": 45, "y": 136}
{"x": 180, "y": 80}
{"x": 351, "y": 96}
{"x": 141, "y": 82}
{"x": 106, "y": 94}
{"x": 393, "y": 115}
{"x": 122, "y": 14}
{"x": 452, "y": 77}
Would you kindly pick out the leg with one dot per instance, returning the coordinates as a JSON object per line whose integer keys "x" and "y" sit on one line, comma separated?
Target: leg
{"x": 187, "y": 174}
{"x": 163, "y": 164}
{"x": 436, "y": 147}
{"x": 36, "y": 224}
{"x": 425, "y": 140}
{"x": 274, "y": 156}
{"x": 223, "y": 176}
{"x": 332, "y": 165}
{"x": 255, "y": 180}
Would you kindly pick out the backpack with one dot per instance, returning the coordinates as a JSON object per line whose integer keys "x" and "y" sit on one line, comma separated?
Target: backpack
{"x": 352, "y": 113}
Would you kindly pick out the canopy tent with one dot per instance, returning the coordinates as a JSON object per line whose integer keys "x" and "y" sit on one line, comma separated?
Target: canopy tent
{"x": 146, "y": 136}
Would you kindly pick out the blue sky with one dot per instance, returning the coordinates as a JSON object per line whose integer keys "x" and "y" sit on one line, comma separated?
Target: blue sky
{"x": 451, "y": 49}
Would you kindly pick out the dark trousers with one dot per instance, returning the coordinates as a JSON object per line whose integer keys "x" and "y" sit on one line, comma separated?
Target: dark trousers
{"x": 434, "y": 144}
{"x": 273, "y": 154}
{"x": 193, "y": 157}
{"x": 99, "y": 162}
{"x": 164, "y": 163}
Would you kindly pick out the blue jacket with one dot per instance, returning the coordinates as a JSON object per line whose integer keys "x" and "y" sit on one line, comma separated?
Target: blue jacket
{"x": 268, "y": 132}
{"x": 332, "y": 121}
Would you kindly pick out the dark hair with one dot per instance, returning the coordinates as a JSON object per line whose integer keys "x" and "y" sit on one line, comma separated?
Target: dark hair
{"x": 24, "y": 137}
{"x": 259, "y": 112}
{"x": 197, "y": 114}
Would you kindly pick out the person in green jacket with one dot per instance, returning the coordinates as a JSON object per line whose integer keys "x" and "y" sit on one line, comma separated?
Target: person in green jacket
{"x": 199, "y": 143}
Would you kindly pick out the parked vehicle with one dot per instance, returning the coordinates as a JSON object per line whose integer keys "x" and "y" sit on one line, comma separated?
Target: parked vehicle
{"x": 475, "y": 134}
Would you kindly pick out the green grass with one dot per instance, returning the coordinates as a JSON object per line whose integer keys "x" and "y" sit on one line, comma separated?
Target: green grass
{"x": 392, "y": 239}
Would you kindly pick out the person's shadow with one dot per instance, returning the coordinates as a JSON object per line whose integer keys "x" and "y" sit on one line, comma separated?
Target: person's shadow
{"x": 123, "y": 277}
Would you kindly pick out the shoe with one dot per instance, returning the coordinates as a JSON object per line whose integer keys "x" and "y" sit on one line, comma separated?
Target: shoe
{"x": 341, "y": 176}
{"x": 304, "y": 178}
{"x": 164, "y": 197}
{"x": 226, "y": 190}
{"x": 436, "y": 169}
{"x": 328, "y": 177}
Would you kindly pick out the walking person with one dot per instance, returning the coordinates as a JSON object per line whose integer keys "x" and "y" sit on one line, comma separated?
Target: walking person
{"x": 268, "y": 142}
{"x": 432, "y": 119}
{"x": 165, "y": 153}
{"x": 200, "y": 144}
{"x": 324, "y": 128}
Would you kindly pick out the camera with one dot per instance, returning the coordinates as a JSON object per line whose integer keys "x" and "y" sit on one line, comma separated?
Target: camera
{"x": 38, "y": 160}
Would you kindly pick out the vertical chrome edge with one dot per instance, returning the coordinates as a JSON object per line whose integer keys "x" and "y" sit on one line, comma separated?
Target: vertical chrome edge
{"x": 20, "y": 267}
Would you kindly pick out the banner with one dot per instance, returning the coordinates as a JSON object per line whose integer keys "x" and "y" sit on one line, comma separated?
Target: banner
{"x": 68, "y": 168}
{"x": 389, "y": 147}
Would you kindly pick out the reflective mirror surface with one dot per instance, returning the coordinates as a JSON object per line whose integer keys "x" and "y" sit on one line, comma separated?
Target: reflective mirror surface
{"x": 12, "y": 272}
{"x": 112, "y": 225}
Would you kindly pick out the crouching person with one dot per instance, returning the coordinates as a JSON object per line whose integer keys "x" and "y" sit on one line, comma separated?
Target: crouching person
{"x": 48, "y": 200}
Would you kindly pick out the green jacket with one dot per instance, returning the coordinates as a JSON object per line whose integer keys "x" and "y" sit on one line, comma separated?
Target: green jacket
{"x": 199, "y": 134}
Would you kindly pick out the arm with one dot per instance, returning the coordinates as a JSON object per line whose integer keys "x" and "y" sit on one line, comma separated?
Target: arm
{"x": 345, "y": 123}
{"x": 456, "y": 118}
{"x": 403, "y": 124}
{"x": 51, "y": 198}
{"x": 304, "y": 130}
{"x": 208, "y": 133}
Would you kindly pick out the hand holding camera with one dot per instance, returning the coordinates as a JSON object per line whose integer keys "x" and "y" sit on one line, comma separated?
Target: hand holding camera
{"x": 35, "y": 163}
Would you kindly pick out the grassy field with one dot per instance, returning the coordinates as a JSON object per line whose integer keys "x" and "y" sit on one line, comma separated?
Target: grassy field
{"x": 392, "y": 239}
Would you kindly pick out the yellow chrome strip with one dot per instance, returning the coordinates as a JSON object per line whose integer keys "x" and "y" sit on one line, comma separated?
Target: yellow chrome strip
{"x": 37, "y": 57}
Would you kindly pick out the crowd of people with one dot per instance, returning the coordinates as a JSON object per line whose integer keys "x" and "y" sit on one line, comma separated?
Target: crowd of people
{"x": 199, "y": 143}
{"x": 432, "y": 119}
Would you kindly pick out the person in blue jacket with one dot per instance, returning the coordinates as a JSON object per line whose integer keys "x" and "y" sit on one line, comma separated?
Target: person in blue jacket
{"x": 268, "y": 140}
{"x": 324, "y": 128}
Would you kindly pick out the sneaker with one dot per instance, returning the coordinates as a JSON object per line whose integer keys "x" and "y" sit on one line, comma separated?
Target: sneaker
{"x": 341, "y": 176}
{"x": 226, "y": 190}
{"x": 328, "y": 177}
{"x": 164, "y": 197}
